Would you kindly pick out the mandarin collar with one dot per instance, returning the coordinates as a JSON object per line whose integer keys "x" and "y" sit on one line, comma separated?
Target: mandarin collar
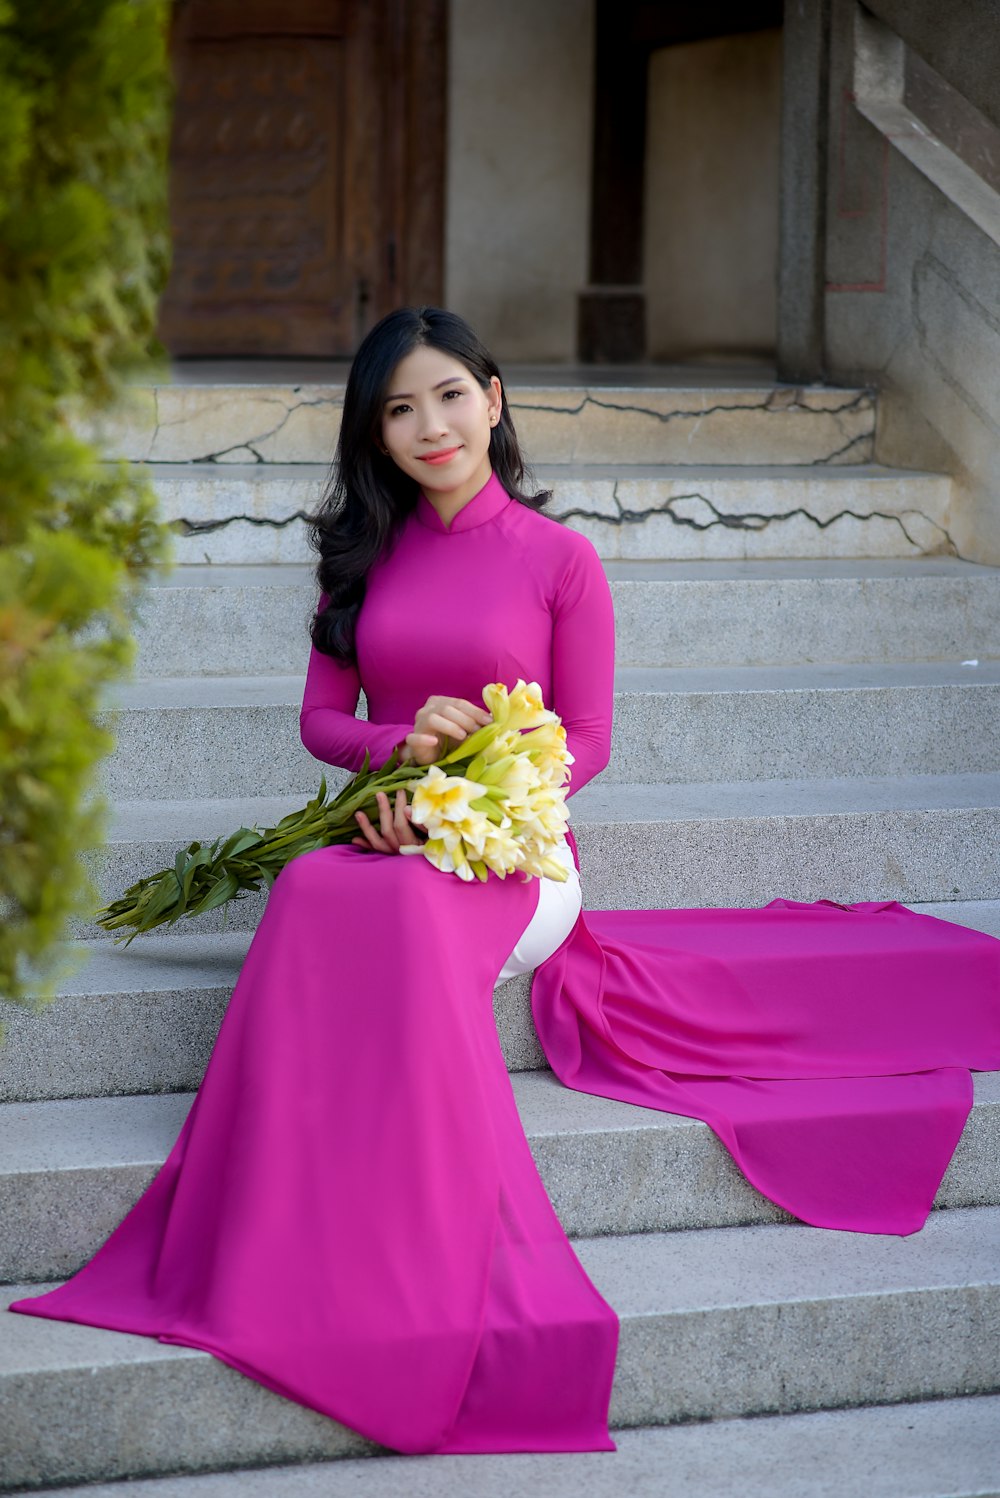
{"x": 490, "y": 500}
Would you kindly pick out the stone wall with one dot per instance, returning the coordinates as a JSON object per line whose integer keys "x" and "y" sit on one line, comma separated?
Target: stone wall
{"x": 518, "y": 186}
{"x": 912, "y": 299}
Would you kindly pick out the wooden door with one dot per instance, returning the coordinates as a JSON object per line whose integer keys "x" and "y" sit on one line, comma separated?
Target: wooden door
{"x": 306, "y": 172}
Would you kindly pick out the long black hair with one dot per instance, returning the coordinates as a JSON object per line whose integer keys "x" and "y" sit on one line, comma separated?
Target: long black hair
{"x": 367, "y": 498}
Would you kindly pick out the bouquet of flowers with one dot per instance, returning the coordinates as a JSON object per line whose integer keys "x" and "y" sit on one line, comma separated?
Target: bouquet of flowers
{"x": 497, "y": 801}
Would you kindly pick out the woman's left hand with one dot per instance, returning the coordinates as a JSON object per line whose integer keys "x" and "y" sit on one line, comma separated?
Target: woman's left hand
{"x": 394, "y": 826}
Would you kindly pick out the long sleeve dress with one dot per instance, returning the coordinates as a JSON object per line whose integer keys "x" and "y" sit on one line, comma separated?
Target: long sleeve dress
{"x": 351, "y": 1214}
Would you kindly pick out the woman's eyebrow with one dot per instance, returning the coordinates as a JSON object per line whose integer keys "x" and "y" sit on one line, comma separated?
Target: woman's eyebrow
{"x": 407, "y": 395}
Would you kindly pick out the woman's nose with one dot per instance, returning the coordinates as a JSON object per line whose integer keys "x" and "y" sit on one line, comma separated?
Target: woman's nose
{"x": 432, "y": 424}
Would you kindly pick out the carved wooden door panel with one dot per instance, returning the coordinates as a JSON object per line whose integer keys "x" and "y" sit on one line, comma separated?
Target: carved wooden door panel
{"x": 301, "y": 210}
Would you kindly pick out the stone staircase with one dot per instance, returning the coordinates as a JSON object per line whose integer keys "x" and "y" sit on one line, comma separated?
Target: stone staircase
{"x": 808, "y": 699}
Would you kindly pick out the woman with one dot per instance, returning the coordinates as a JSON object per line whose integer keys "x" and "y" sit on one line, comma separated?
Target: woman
{"x": 351, "y": 1214}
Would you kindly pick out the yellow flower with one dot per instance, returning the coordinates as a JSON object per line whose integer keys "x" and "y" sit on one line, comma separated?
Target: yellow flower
{"x": 449, "y": 860}
{"x": 541, "y": 814}
{"x": 508, "y": 810}
{"x": 501, "y": 851}
{"x": 514, "y": 776}
{"x": 526, "y": 708}
{"x": 547, "y": 747}
{"x": 495, "y": 698}
{"x": 473, "y": 831}
{"x": 440, "y": 798}
{"x": 544, "y": 867}
{"x": 522, "y": 708}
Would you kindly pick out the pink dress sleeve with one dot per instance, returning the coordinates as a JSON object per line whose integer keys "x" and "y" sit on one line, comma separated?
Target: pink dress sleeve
{"x": 327, "y": 724}
{"x": 583, "y": 662}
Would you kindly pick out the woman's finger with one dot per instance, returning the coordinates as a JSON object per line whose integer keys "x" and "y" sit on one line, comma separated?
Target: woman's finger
{"x": 386, "y": 821}
{"x": 463, "y": 719}
{"x": 388, "y": 832}
{"x": 404, "y": 811}
{"x": 373, "y": 837}
{"x": 451, "y": 726}
{"x": 476, "y": 709}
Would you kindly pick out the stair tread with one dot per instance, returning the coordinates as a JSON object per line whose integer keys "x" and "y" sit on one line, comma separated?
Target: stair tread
{"x": 208, "y": 958}
{"x": 102, "y": 1133}
{"x": 553, "y": 473}
{"x": 219, "y": 376}
{"x": 186, "y": 692}
{"x": 925, "y": 1450}
{"x": 666, "y": 570}
{"x": 207, "y": 818}
{"x": 651, "y": 1275}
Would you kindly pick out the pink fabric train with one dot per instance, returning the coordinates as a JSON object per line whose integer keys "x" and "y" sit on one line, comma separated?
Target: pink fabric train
{"x": 351, "y": 1214}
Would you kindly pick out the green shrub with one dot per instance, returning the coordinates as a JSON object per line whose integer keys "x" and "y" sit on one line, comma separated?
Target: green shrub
{"x": 84, "y": 100}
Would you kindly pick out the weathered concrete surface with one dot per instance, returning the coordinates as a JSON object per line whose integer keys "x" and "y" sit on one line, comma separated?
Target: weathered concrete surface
{"x": 913, "y": 269}
{"x": 183, "y": 736}
{"x": 144, "y": 1018}
{"x": 943, "y": 1449}
{"x": 70, "y": 1170}
{"x": 923, "y": 837}
{"x": 821, "y": 1320}
{"x": 235, "y": 620}
{"x": 568, "y": 423}
{"x": 259, "y": 513}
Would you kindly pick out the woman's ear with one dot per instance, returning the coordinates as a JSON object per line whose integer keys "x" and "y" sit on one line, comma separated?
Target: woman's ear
{"x": 494, "y": 397}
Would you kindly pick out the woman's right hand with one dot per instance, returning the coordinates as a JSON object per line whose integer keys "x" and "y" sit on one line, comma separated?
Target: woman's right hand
{"x": 441, "y": 724}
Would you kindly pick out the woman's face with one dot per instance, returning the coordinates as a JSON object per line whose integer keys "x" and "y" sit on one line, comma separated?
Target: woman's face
{"x": 436, "y": 424}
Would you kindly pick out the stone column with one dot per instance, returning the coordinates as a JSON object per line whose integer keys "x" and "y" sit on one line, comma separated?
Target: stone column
{"x": 612, "y": 308}
{"x": 802, "y": 210}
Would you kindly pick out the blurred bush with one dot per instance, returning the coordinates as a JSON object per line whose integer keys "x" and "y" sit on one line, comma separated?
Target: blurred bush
{"x": 84, "y": 106}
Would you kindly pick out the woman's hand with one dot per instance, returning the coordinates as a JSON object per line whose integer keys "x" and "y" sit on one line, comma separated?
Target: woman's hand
{"x": 394, "y": 826}
{"x": 440, "y": 724}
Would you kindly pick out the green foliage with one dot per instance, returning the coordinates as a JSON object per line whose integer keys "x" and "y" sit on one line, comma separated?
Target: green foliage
{"x": 84, "y": 100}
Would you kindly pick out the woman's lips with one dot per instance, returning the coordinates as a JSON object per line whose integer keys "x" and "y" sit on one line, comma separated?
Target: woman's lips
{"x": 443, "y": 456}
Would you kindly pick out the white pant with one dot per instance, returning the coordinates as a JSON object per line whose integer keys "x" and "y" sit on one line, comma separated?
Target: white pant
{"x": 554, "y": 918}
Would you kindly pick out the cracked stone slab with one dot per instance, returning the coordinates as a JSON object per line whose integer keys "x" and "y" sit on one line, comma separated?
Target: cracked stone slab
{"x": 70, "y": 1170}
{"x": 175, "y": 735}
{"x": 866, "y": 512}
{"x": 235, "y": 620}
{"x": 259, "y": 514}
{"x": 225, "y": 424}
{"x": 777, "y": 425}
{"x": 821, "y": 1320}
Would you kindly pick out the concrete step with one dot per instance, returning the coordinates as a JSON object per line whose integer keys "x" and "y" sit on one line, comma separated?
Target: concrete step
{"x": 941, "y": 1449}
{"x": 258, "y": 512}
{"x": 182, "y": 735}
{"x": 70, "y": 1170}
{"x": 923, "y": 837}
{"x": 821, "y": 1320}
{"x": 557, "y": 423}
{"x": 239, "y": 620}
{"x": 144, "y": 1018}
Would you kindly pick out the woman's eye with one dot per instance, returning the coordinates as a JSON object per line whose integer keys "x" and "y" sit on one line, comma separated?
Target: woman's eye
{"x": 450, "y": 393}
{"x": 396, "y": 410}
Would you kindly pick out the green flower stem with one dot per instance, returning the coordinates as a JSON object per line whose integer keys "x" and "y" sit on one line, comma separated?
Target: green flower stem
{"x": 205, "y": 877}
